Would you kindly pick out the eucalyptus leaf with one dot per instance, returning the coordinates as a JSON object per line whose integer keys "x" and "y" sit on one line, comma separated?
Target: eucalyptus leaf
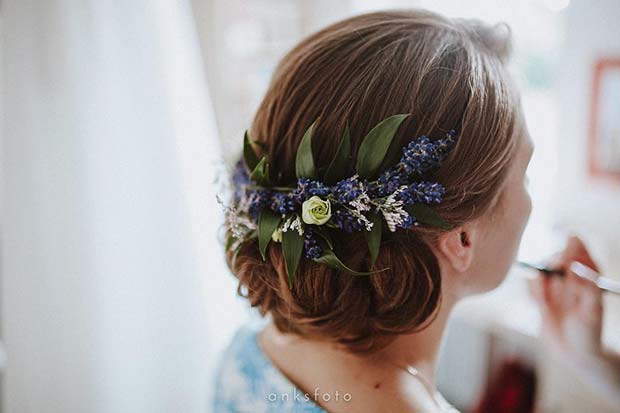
{"x": 375, "y": 145}
{"x": 426, "y": 215}
{"x": 373, "y": 237}
{"x": 292, "y": 246}
{"x": 260, "y": 173}
{"x": 267, "y": 224}
{"x": 249, "y": 156}
{"x": 338, "y": 166}
{"x": 304, "y": 161}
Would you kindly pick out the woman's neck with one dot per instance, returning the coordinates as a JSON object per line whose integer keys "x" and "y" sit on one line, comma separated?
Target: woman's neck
{"x": 322, "y": 363}
{"x": 420, "y": 349}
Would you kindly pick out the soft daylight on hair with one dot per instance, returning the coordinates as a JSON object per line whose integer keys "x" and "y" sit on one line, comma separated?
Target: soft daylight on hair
{"x": 448, "y": 74}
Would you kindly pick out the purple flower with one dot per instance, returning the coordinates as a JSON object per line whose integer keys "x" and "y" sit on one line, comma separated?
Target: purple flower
{"x": 311, "y": 246}
{"x": 260, "y": 198}
{"x": 240, "y": 179}
{"x": 422, "y": 154}
{"x": 388, "y": 182}
{"x": 423, "y": 192}
{"x": 307, "y": 188}
{"x": 408, "y": 221}
{"x": 346, "y": 221}
{"x": 348, "y": 189}
{"x": 282, "y": 203}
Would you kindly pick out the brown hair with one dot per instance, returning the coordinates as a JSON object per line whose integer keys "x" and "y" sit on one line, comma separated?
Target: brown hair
{"x": 447, "y": 73}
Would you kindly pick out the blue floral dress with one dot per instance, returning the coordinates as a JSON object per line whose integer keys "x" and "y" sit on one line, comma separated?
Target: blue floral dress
{"x": 247, "y": 381}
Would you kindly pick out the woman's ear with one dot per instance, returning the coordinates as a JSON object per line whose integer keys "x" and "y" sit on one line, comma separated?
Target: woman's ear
{"x": 457, "y": 246}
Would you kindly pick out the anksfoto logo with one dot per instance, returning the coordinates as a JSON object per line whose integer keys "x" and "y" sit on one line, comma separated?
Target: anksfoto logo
{"x": 316, "y": 396}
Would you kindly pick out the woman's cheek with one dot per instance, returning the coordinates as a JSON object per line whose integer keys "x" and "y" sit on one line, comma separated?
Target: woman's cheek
{"x": 528, "y": 198}
{"x": 528, "y": 206}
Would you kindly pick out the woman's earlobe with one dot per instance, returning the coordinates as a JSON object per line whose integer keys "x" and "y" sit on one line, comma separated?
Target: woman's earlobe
{"x": 456, "y": 247}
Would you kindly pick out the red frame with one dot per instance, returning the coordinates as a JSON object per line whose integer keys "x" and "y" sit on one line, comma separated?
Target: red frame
{"x": 594, "y": 169}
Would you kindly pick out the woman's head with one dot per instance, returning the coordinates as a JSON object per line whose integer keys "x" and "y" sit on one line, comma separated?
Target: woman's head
{"x": 448, "y": 74}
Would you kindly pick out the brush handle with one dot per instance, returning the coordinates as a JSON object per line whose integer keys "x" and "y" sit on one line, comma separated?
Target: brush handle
{"x": 604, "y": 283}
{"x": 544, "y": 270}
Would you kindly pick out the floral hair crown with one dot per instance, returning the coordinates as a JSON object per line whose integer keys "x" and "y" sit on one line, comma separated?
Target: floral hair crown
{"x": 302, "y": 218}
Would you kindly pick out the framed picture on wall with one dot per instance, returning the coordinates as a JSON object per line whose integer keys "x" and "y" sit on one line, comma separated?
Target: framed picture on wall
{"x": 604, "y": 145}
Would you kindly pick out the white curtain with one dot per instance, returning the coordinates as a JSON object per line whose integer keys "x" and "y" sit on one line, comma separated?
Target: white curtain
{"x": 112, "y": 270}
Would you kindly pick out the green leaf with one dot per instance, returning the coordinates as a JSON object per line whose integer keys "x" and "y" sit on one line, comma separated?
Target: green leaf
{"x": 233, "y": 259}
{"x": 427, "y": 216}
{"x": 323, "y": 233}
{"x": 330, "y": 259}
{"x": 260, "y": 144}
{"x": 338, "y": 166}
{"x": 292, "y": 246}
{"x": 373, "y": 237}
{"x": 249, "y": 156}
{"x": 229, "y": 242}
{"x": 394, "y": 152}
{"x": 260, "y": 173}
{"x": 267, "y": 223}
{"x": 304, "y": 162}
{"x": 375, "y": 145}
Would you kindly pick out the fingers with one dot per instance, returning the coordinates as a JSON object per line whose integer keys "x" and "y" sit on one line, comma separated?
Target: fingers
{"x": 551, "y": 295}
{"x": 582, "y": 281}
{"x": 559, "y": 294}
{"x": 577, "y": 291}
{"x": 545, "y": 294}
{"x": 535, "y": 289}
{"x": 580, "y": 274}
{"x": 576, "y": 250}
{"x": 571, "y": 305}
{"x": 571, "y": 293}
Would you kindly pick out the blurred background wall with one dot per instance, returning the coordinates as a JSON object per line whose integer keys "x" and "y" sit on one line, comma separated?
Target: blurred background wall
{"x": 584, "y": 204}
{"x": 118, "y": 119}
{"x": 109, "y": 158}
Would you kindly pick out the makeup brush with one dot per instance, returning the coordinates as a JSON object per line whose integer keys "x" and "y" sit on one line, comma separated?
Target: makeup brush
{"x": 604, "y": 283}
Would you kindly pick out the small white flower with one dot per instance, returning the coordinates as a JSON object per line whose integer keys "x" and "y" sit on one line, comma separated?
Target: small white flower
{"x": 237, "y": 221}
{"x": 395, "y": 218}
{"x": 293, "y": 223}
{"x": 361, "y": 203}
{"x": 393, "y": 211}
{"x": 316, "y": 211}
{"x": 277, "y": 235}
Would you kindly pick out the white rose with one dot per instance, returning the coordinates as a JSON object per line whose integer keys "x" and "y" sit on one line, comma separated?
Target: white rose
{"x": 316, "y": 211}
